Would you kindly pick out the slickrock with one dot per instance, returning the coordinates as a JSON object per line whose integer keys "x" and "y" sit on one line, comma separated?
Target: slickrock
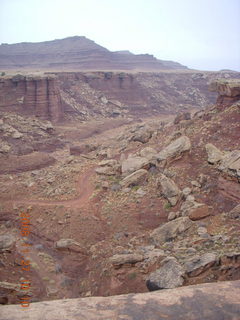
{"x": 216, "y": 300}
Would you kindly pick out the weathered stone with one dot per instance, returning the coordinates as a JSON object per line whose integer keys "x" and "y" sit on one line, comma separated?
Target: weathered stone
{"x": 133, "y": 164}
{"x": 224, "y": 87}
{"x": 219, "y": 298}
{"x": 169, "y": 189}
{"x": 168, "y": 276}
{"x": 175, "y": 149}
{"x": 108, "y": 167}
{"x": 7, "y": 242}
{"x": 148, "y": 153}
{"x": 231, "y": 164}
{"x": 172, "y": 216}
{"x": 214, "y": 154}
{"x": 199, "y": 264}
{"x": 69, "y": 244}
{"x": 235, "y": 212}
{"x": 199, "y": 213}
{"x": 135, "y": 178}
{"x": 170, "y": 230}
{"x": 186, "y": 192}
{"x": 119, "y": 259}
{"x": 188, "y": 206}
{"x": 182, "y": 117}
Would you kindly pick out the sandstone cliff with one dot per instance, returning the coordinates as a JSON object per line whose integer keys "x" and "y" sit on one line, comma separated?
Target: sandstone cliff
{"x": 31, "y": 95}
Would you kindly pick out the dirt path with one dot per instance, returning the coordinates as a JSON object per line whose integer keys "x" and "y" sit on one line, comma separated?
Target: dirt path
{"x": 84, "y": 188}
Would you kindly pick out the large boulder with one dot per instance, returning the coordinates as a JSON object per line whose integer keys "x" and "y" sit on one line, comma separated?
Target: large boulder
{"x": 168, "y": 276}
{"x": 212, "y": 301}
{"x": 133, "y": 164}
{"x": 170, "y": 230}
{"x": 169, "y": 189}
{"x": 142, "y": 134}
{"x": 175, "y": 149}
{"x": 134, "y": 178}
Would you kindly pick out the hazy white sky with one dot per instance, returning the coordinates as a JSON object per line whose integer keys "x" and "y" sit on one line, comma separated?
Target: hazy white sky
{"x": 202, "y": 34}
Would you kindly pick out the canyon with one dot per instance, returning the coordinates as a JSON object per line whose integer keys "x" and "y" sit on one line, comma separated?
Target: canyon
{"x": 128, "y": 170}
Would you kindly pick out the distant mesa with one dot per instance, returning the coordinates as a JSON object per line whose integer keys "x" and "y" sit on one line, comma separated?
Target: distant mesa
{"x": 78, "y": 54}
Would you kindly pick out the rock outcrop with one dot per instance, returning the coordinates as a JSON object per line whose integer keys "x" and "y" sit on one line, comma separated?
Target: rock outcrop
{"x": 228, "y": 90}
{"x": 31, "y": 95}
{"x": 205, "y": 301}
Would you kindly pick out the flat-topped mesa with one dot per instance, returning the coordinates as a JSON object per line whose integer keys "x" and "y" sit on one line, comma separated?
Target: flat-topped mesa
{"x": 31, "y": 95}
{"x": 228, "y": 90}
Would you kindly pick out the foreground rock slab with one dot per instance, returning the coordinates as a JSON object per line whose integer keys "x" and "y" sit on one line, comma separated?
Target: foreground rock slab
{"x": 211, "y": 301}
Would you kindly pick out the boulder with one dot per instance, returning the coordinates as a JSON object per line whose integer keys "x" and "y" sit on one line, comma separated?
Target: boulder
{"x": 231, "y": 164}
{"x": 134, "y": 178}
{"x": 142, "y": 134}
{"x": 199, "y": 213}
{"x": 169, "y": 189}
{"x": 108, "y": 167}
{"x": 168, "y": 276}
{"x": 214, "y": 154}
{"x": 133, "y": 164}
{"x": 148, "y": 153}
{"x": 188, "y": 206}
{"x": 170, "y": 230}
{"x": 69, "y": 244}
{"x": 182, "y": 117}
{"x": 7, "y": 242}
{"x": 199, "y": 264}
{"x": 119, "y": 259}
{"x": 175, "y": 149}
{"x": 235, "y": 212}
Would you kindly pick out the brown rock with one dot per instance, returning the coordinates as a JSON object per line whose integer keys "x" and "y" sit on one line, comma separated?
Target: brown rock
{"x": 199, "y": 213}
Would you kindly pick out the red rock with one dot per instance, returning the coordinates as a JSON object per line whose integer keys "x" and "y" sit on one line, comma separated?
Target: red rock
{"x": 199, "y": 213}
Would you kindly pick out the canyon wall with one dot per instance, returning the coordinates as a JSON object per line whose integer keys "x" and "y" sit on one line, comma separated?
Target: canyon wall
{"x": 31, "y": 95}
{"x": 141, "y": 94}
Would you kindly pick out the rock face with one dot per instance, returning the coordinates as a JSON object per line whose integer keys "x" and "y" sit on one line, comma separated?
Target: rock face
{"x": 214, "y": 154}
{"x": 170, "y": 230}
{"x": 174, "y": 149}
{"x": 214, "y": 299}
{"x": 76, "y": 53}
{"x": 169, "y": 189}
{"x": 31, "y": 95}
{"x": 169, "y": 276}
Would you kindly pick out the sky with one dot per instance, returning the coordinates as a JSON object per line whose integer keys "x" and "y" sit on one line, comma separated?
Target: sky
{"x": 201, "y": 34}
